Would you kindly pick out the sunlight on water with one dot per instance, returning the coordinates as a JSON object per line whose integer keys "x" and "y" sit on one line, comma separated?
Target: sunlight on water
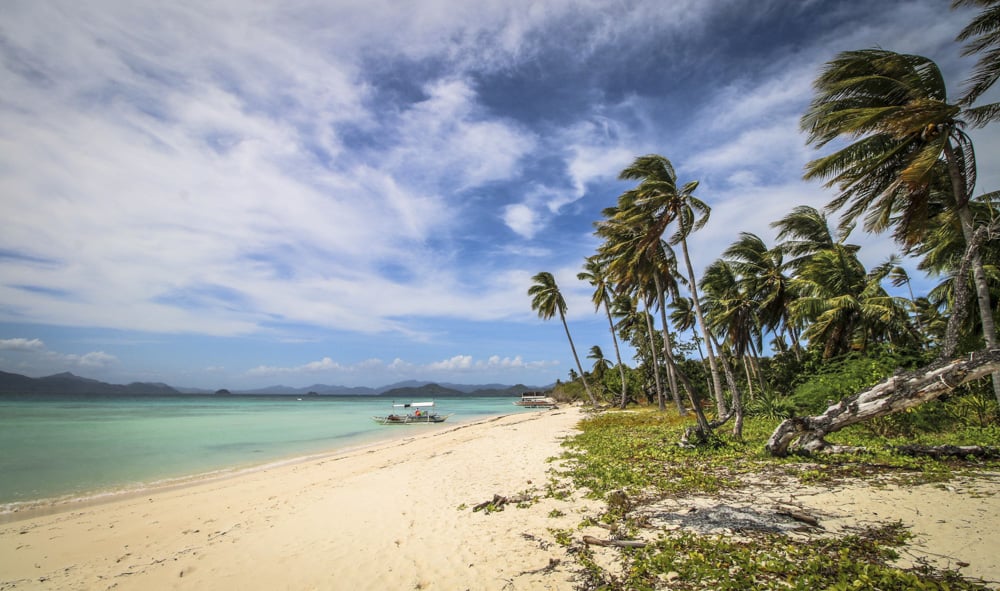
{"x": 74, "y": 446}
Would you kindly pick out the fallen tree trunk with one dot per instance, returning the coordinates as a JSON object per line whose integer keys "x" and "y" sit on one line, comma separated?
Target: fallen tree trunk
{"x": 892, "y": 395}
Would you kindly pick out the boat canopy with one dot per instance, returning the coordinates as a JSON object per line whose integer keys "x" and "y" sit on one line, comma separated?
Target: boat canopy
{"x": 414, "y": 405}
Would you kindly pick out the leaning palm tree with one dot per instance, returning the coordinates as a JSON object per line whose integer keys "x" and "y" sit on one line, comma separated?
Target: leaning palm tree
{"x": 660, "y": 200}
{"x": 632, "y": 265}
{"x": 983, "y": 37}
{"x": 763, "y": 272}
{"x": 595, "y": 273}
{"x": 547, "y": 300}
{"x": 906, "y": 135}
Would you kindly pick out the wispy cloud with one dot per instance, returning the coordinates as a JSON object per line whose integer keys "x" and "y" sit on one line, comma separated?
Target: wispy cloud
{"x": 282, "y": 170}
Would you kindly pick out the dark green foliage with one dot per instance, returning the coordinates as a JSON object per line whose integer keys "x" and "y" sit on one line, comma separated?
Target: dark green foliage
{"x": 848, "y": 375}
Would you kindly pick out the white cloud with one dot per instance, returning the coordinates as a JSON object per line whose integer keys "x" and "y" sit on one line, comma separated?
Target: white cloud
{"x": 33, "y": 356}
{"x": 95, "y": 359}
{"x": 452, "y": 366}
{"x": 458, "y": 362}
{"x": 22, "y": 345}
{"x": 522, "y": 219}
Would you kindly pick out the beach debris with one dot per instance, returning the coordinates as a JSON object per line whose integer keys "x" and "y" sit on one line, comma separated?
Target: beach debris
{"x": 498, "y": 502}
{"x": 551, "y": 566}
{"x": 799, "y": 516}
{"x": 592, "y": 541}
{"x": 718, "y": 518}
{"x": 949, "y": 451}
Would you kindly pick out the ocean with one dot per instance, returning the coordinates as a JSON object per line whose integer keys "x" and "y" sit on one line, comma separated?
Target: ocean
{"x": 55, "y": 448}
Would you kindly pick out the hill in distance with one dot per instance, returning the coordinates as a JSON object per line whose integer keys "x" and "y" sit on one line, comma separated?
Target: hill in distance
{"x": 70, "y": 384}
{"x": 67, "y": 383}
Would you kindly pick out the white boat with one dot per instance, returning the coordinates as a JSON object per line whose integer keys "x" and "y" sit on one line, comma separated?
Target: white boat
{"x": 412, "y": 413}
{"x": 535, "y": 400}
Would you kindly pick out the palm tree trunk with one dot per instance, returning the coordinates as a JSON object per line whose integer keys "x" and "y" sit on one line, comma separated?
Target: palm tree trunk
{"x": 656, "y": 363}
{"x": 746, "y": 370}
{"x": 720, "y": 400}
{"x": 618, "y": 353}
{"x": 755, "y": 366}
{"x": 668, "y": 345}
{"x": 577, "y": 359}
{"x": 978, "y": 273}
{"x": 916, "y": 315}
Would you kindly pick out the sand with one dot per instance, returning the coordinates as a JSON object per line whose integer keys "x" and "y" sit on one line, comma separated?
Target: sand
{"x": 398, "y": 515}
{"x": 385, "y": 517}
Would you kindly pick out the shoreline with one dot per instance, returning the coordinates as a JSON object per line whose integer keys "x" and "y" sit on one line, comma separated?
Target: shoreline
{"x": 14, "y": 511}
{"x": 387, "y": 514}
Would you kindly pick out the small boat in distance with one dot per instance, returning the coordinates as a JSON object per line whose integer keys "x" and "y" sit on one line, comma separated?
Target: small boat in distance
{"x": 535, "y": 400}
{"x": 416, "y": 413}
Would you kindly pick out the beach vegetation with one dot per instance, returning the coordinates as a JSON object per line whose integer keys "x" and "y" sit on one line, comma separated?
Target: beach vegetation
{"x": 798, "y": 344}
{"x": 631, "y": 461}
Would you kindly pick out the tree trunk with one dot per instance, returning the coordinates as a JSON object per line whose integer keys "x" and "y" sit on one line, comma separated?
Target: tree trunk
{"x": 577, "y": 359}
{"x": 704, "y": 428}
{"x": 668, "y": 346}
{"x": 618, "y": 354}
{"x": 720, "y": 400}
{"x": 972, "y": 251}
{"x": 891, "y": 395}
{"x": 746, "y": 370}
{"x": 656, "y": 363}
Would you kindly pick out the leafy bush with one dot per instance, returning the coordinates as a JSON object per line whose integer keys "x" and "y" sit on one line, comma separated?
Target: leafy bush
{"x": 846, "y": 376}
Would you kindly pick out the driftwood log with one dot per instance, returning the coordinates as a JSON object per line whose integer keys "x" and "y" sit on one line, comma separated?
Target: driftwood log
{"x": 498, "y": 501}
{"x": 592, "y": 541}
{"x": 894, "y": 394}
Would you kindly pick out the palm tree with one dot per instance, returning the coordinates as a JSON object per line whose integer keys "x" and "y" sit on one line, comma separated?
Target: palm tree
{"x": 983, "y": 37}
{"x": 762, "y": 272}
{"x": 906, "y": 135}
{"x": 547, "y": 300}
{"x": 898, "y": 276}
{"x": 641, "y": 267}
{"x": 595, "y": 274}
{"x": 601, "y": 364}
{"x": 659, "y": 200}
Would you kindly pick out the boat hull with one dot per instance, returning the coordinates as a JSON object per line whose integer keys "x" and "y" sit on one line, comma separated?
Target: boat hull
{"x": 410, "y": 419}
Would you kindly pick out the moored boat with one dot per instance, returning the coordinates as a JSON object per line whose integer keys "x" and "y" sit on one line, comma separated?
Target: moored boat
{"x": 412, "y": 413}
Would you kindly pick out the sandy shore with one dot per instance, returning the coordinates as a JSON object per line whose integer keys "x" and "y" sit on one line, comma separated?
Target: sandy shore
{"x": 398, "y": 516}
{"x": 385, "y": 517}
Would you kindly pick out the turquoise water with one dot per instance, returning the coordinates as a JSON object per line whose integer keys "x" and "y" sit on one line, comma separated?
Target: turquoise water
{"x": 63, "y": 447}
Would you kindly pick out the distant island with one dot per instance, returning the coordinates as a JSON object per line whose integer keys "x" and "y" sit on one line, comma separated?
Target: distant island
{"x": 69, "y": 384}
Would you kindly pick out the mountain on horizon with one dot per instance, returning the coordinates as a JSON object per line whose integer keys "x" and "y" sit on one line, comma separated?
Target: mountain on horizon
{"x": 69, "y": 383}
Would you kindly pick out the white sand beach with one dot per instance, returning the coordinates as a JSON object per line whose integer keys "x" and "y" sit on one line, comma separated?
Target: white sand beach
{"x": 398, "y": 516}
{"x": 383, "y": 517}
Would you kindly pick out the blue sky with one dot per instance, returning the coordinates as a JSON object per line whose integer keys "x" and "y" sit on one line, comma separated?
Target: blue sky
{"x": 232, "y": 194}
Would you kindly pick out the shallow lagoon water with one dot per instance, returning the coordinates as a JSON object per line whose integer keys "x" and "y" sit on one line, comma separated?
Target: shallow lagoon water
{"x": 59, "y": 447}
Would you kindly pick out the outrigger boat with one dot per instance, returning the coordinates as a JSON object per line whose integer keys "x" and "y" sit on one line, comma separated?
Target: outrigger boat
{"x": 535, "y": 400}
{"x": 415, "y": 413}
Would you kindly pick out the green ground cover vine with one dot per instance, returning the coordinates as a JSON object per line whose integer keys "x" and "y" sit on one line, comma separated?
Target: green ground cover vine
{"x": 636, "y": 452}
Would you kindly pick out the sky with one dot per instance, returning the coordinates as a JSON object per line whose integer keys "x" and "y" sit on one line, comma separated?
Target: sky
{"x": 221, "y": 193}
